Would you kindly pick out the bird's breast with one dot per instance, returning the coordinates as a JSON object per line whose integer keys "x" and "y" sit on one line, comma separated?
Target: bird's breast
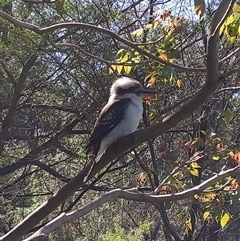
{"x": 130, "y": 122}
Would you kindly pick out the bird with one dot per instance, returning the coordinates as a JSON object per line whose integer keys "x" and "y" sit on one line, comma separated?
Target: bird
{"x": 120, "y": 116}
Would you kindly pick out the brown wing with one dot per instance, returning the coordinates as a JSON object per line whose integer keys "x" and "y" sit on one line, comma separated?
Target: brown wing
{"x": 109, "y": 118}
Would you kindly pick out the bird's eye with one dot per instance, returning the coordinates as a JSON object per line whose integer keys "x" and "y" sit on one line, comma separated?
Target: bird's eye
{"x": 131, "y": 89}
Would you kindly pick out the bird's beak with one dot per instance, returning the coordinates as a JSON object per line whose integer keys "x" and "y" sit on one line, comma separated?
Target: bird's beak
{"x": 146, "y": 92}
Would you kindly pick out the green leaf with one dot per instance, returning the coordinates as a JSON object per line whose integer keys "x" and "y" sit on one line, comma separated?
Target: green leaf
{"x": 232, "y": 31}
{"x": 175, "y": 54}
{"x": 166, "y": 71}
{"x": 224, "y": 219}
{"x": 59, "y": 5}
{"x": 172, "y": 180}
{"x": 227, "y": 116}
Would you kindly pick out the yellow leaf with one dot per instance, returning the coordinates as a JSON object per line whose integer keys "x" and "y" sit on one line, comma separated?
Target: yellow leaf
{"x": 195, "y": 165}
{"x": 149, "y": 26}
{"x": 175, "y": 22}
{"x": 231, "y": 154}
{"x": 231, "y": 40}
{"x": 205, "y": 215}
{"x": 209, "y": 197}
{"x": 152, "y": 116}
{"x": 189, "y": 224}
{"x": 138, "y": 32}
{"x": 227, "y": 188}
{"x": 216, "y": 157}
{"x": 224, "y": 219}
{"x": 222, "y": 29}
{"x": 120, "y": 52}
{"x": 152, "y": 80}
{"x": 179, "y": 83}
{"x": 155, "y": 24}
{"x": 141, "y": 177}
{"x": 163, "y": 57}
{"x": 200, "y": 7}
{"x": 127, "y": 69}
{"x": 166, "y": 189}
{"x": 119, "y": 68}
{"x": 236, "y": 7}
{"x": 112, "y": 68}
{"x": 191, "y": 144}
{"x": 230, "y": 20}
{"x": 194, "y": 172}
{"x": 125, "y": 57}
{"x": 196, "y": 196}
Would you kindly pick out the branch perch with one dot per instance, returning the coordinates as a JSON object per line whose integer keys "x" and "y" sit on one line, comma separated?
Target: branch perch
{"x": 137, "y": 137}
{"x": 130, "y": 194}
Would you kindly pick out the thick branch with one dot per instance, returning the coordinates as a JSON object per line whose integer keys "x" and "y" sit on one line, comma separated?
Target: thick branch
{"x": 153, "y": 131}
{"x": 131, "y": 140}
{"x": 212, "y": 44}
{"x": 114, "y": 151}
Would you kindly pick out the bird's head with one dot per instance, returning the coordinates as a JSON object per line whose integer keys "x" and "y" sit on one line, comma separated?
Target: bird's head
{"x": 126, "y": 87}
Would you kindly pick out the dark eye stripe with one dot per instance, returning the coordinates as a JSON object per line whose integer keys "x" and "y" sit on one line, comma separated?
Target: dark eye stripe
{"x": 121, "y": 91}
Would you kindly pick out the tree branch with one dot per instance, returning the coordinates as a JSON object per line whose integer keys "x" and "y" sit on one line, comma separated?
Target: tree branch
{"x": 136, "y": 138}
{"x": 135, "y": 46}
{"x": 212, "y": 44}
{"x": 130, "y": 194}
{"x": 18, "y": 86}
{"x": 30, "y": 157}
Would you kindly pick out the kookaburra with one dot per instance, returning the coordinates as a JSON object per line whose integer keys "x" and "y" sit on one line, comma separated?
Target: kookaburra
{"x": 120, "y": 116}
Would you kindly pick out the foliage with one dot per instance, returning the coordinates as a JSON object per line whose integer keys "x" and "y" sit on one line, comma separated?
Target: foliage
{"x": 118, "y": 233}
{"x": 53, "y": 85}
